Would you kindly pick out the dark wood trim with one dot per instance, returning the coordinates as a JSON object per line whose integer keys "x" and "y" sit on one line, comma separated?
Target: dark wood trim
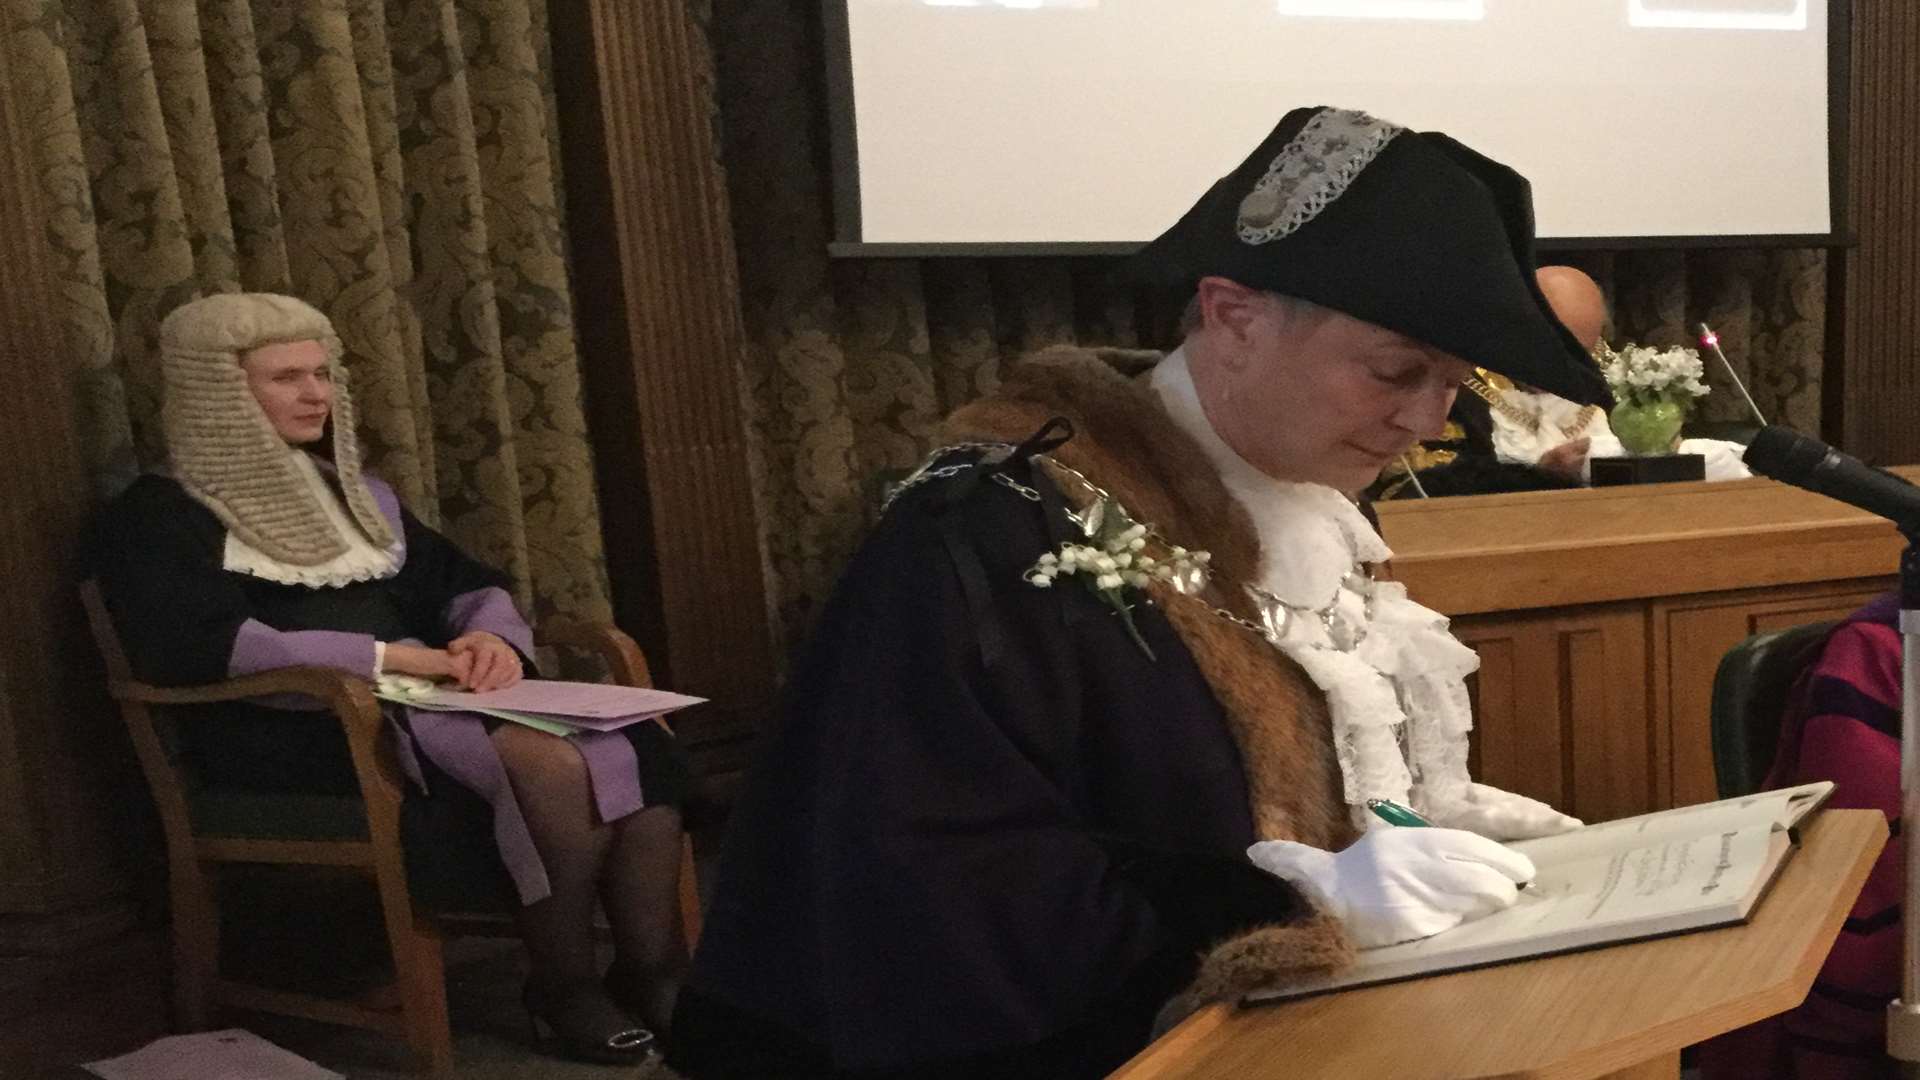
{"x": 1069, "y": 249}
{"x": 56, "y": 726}
{"x": 1879, "y": 398}
{"x": 663, "y": 341}
{"x": 1839, "y": 112}
{"x": 843, "y": 130}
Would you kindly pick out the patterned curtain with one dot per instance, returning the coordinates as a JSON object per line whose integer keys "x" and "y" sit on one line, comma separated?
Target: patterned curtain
{"x": 854, "y": 362}
{"x": 392, "y": 162}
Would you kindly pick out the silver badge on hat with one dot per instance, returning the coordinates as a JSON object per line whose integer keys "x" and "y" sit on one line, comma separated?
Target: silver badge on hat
{"x": 1312, "y": 170}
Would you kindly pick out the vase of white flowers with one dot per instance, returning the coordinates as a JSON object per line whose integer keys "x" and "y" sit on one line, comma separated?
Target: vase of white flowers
{"x": 1653, "y": 389}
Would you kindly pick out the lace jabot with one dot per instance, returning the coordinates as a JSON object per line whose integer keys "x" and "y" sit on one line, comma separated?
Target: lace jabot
{"x": 1393, "y": 675}
{"x": 361, "y": 561}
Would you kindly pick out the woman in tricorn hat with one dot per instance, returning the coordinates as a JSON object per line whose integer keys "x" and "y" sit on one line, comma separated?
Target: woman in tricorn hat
{"x": 1121, "y": 631}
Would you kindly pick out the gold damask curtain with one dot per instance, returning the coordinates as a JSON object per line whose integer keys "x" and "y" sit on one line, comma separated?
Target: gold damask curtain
{"x": 853, "y": 363}
{"x": 392, "y": 162}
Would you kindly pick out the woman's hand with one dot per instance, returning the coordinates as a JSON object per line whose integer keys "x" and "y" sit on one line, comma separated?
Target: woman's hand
{"x": 428, "y": 663}
{"x": 1500, "y": 815}
{"x": 1568, "y": 460}
{"x": 493, "y": 665}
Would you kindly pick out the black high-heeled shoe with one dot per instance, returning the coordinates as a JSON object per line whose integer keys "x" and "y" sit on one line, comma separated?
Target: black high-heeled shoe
{"x": 641, "y": 992}
{"x": 562, "y": 1025}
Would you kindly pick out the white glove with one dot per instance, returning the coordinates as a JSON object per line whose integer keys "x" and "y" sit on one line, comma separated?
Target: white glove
{"x": 1500, "y": 815}
{"x": 1395, "y": 885}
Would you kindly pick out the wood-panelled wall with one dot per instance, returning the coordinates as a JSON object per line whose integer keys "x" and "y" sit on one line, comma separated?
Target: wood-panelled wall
{"x": 662, "y": 341}
{"x": 1879, "y": 286}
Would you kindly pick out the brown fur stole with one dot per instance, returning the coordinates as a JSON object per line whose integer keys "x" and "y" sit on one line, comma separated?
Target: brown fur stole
{"x": 1125, "y": 442}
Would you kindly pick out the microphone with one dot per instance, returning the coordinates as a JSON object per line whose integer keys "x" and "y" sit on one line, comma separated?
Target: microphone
{"x": 1806, "y": 462}
{"x": 1712, "y": 341}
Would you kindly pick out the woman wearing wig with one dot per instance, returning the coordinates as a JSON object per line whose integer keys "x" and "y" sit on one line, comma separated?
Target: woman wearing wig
{"x": 265, "y": 545}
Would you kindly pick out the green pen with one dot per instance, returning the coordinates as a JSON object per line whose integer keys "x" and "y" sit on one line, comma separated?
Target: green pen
{"x": 1394, "y": 814}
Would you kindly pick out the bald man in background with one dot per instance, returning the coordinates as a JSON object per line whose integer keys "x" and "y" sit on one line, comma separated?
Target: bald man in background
{"x": 1502, "y": 436}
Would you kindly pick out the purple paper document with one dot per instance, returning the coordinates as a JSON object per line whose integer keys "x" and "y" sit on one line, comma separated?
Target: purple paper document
{"x": 593, "y": 706}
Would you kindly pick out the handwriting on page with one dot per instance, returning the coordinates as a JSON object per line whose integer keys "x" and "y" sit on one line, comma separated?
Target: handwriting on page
{"x": 1643, "y": 879}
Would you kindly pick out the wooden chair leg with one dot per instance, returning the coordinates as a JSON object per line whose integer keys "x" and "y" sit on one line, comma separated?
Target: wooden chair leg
{"x": 690, "y": 917}
{"x": 423, "y": 981}
{"x": 196, "y": 942}
{"x": 419, "y": 974}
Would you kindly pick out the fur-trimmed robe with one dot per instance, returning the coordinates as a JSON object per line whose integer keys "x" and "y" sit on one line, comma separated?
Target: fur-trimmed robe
{"x": 991, "y": 836}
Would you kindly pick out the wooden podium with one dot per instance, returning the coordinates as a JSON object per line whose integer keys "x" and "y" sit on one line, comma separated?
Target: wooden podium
{"x": 1623, "y": 1011}
{"x": 1599, "y": 616}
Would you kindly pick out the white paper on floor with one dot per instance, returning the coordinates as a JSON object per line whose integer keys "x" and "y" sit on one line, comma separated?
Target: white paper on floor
{"x": 232, "y": 1054}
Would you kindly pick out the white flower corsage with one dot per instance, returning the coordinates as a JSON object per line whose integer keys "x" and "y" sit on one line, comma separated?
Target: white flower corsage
{"x": 1114, "y": 558}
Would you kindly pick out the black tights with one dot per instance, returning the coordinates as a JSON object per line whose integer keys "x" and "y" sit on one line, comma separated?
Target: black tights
{"x": 631, "y": 866}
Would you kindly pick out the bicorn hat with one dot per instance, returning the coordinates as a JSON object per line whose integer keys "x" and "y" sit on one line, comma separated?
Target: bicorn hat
{"x": 1411, "y": 231}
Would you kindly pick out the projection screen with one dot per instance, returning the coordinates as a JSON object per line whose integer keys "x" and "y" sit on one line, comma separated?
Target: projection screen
{"x": 1090, "y": 124}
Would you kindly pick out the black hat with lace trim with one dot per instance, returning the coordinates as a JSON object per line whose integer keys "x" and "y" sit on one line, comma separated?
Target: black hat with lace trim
{"x": 1411, "y": 231}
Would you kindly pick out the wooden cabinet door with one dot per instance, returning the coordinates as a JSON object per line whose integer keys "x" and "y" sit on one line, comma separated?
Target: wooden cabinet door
{"x": 1690, "y": 634}
{"x": 1561, "y": 708}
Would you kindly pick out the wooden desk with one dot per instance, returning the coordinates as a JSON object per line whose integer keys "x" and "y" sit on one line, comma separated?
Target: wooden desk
{"x": 1619, "y": 1012}
{"x": 1600, "y": 616}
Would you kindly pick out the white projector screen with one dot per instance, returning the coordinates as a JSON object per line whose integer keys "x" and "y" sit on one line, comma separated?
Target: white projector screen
{"x": 1032, "y": 124}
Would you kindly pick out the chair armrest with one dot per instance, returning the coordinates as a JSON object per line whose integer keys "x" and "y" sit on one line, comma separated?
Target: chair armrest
{"x": 624, "y": 659}
{"x": 331, "y": 686}
{"x": 348, "y": 697}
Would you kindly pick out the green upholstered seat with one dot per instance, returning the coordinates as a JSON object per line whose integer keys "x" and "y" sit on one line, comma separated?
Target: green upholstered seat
{"x": 1749, "y": 699}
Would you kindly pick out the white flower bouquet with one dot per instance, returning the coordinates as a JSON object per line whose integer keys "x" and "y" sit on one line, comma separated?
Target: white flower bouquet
{"x": 1643, "y": 374}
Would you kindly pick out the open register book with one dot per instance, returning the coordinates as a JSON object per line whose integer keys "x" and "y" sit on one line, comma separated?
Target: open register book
{"x": 1689, "y": 868}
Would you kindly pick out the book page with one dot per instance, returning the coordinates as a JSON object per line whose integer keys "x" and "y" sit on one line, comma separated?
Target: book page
{"x": 1781, "y": 808}
{"x": 1669, "y": 876}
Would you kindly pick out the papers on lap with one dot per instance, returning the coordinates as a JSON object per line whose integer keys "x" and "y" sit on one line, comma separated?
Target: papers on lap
{"x": 1690, "y": 868}
{"x": 551, "y": 705}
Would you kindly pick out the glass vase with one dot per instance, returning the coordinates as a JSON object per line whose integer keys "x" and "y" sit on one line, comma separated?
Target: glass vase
{"x": 1648, "y": 427}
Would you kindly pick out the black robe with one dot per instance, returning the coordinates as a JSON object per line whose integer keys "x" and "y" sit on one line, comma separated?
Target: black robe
{"x": 990, "y": 836}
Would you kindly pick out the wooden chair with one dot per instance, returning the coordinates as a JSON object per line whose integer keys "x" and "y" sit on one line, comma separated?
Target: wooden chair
{"x": 201, "y": 833}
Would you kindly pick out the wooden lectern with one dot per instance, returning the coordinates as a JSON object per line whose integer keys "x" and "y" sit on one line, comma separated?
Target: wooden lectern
{"x": 1600, "y": 616}
{"x": 1622, "y": 1012}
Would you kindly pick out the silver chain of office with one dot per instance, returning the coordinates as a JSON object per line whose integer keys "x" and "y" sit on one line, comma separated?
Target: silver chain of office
{"x": 1276, "y": 615}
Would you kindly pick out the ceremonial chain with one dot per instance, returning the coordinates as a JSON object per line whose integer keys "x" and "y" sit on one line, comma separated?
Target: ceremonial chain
{"x": 1276, "y": 615}
{"x": 1498, "y": 400}
{"x": 994, "y": 453}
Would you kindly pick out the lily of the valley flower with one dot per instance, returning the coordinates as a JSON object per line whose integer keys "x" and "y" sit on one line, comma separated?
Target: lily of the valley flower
{"x": 1116, "y": 560}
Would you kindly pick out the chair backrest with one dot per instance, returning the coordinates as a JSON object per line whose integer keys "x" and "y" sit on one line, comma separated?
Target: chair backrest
{"x": 104, "y": 636}
{"x": 143, "y": 722}
{"x": 153, "y": 739}
{"x": 1749, "y": 701}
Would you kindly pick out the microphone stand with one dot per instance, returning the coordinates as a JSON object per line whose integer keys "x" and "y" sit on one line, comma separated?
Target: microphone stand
{"x": 1903, "y": 1013}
